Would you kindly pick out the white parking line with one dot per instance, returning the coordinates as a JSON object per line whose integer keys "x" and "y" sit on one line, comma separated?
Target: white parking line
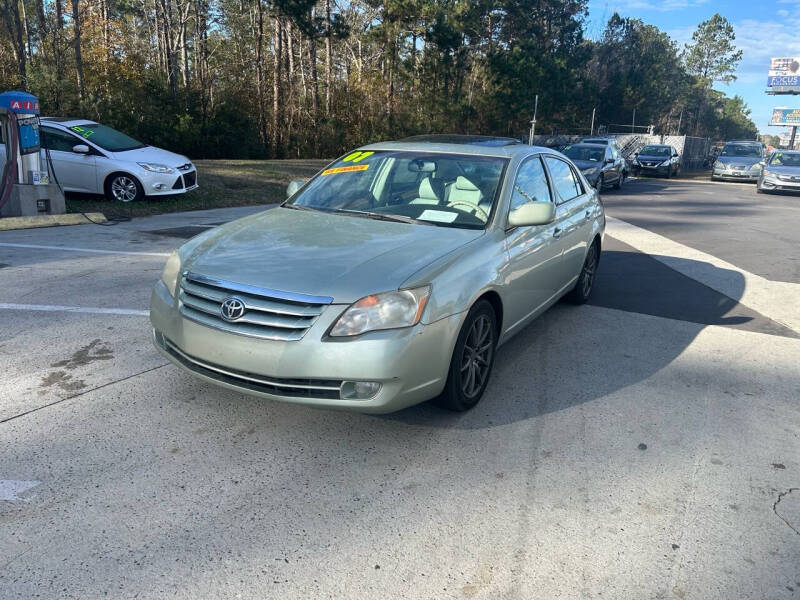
{"x": 75, "y": 309}
{"x": 89, "y": 250}
{"x": 777, "y": 300}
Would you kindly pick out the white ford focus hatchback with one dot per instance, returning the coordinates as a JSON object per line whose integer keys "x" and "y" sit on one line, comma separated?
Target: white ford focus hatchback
{"x": 92, "y": 158}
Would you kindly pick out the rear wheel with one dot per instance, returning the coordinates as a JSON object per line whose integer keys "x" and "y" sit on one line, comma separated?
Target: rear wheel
{"x": 472, "y": 361}
{"x": 583, "y": 287}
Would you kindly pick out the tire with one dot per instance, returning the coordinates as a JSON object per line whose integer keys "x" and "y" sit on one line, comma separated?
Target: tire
{"x": 472, "y": 361}
{"x": 600, "y": 183}
{"x": 620, "y": 181}
{"x": 121, "y": 187}
{"x": 585, "y": 284}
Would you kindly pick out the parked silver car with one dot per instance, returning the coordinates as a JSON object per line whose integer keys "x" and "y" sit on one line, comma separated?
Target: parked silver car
{"x": 388, "y": 279}
{"x": 781, "y": 172}
{"x": 739, "y": 161}
{"x": 93, "y": 158}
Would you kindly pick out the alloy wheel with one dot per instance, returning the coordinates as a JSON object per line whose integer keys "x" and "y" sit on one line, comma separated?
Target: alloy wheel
{"x": 476, "y": 359}
{"x": 589, "y": 269}
{"x": 123, "y": 188}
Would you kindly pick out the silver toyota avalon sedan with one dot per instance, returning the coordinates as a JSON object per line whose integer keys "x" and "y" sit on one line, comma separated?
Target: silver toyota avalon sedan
{"x": 388, "y": 279}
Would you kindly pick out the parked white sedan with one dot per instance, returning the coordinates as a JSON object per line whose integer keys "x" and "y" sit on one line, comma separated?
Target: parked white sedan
{"x": 96, "y": 159}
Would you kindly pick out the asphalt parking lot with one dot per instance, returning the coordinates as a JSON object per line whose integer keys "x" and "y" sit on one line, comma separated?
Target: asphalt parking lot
{"x": 646, "y": 445}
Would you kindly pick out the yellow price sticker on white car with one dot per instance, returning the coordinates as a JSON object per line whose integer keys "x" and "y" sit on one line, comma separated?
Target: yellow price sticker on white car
{"x": 346, "y": 169}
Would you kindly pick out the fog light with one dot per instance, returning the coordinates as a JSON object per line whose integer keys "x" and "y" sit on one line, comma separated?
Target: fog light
{"x": 158, "y": 186}
{"x": 359, "y": 390}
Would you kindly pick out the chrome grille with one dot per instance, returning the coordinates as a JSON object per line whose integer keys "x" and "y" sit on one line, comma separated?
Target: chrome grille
{"x": 268, "y": 314}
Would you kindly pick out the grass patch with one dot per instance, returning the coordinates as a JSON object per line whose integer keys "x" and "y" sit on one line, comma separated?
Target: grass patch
{"x": 222, "y": 183}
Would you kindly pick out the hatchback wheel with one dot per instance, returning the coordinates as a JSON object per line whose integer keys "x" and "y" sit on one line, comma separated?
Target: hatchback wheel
{"x": 472, "y": 360}
{"x": 620, "y": 181}
{"x": 123, "y": 188}
{"x": 583, "y": 287}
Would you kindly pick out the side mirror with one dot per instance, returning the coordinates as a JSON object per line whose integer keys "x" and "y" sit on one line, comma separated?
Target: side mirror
{"x": 80, "y": 149}
{"x": 674, "y": 156}
{"x": 294, "y": 185}
{"x": 609, "y": 161}
{"x": 532, "y": 213}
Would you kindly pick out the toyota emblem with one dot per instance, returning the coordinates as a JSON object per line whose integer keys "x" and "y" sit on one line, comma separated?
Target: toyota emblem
{"x": 232, "y": 308}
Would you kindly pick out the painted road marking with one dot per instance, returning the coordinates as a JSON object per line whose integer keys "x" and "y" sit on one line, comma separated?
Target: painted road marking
{"x": 11, "y": 489}
{"x": 75, "y": 309}
{"x": 776, "y": 300}
{"x": 89, "y": 250}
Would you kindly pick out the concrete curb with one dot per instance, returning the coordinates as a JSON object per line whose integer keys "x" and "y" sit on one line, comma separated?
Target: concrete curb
{"x": 9, "y": 223}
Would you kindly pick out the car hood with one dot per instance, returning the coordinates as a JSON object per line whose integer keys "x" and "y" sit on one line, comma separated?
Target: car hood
{"x": 153, "y": 155}
{"x": 783, "y": 170}
{"x": 587, "y": 164}
{"x": 321, "y": 254}
{"x": 748, "y": 161}
{"x": 652, "y": 158}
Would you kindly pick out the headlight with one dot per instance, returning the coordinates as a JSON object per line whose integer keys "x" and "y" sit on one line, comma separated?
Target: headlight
{"x": 719, "y": 165}
{"x": 171, "y": 271}
{"x": 590, "y": 170}
{"x": 665, "y": 163}
{"x": 756, "y": 167}
{"x": 768, "y": 173}
{"x": 389, "y": 310}
{"x": 156, "y": 168}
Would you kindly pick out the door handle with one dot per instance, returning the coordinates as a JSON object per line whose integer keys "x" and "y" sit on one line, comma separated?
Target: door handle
{"x": 557, "y": 232}
{"x": 588, "y": 215}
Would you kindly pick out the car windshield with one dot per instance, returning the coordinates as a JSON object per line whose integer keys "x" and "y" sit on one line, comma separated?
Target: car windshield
{"x": 106, "y": 137}
{"x": 594, "y": 141}
{"x": 785, "y": 159}
{"x": 655, "y": 151}
{"x": 585, "y": 153}
{"x": 448, "y": 190}
{"x": 752, "y": 150}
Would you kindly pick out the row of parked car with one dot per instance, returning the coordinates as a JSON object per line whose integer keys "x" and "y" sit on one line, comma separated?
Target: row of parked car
{"x": 746, "y": 160}
{"x": 602, "y": 163}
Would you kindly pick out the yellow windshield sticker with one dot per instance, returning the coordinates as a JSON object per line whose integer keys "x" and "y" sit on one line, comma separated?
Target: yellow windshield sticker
{"x": 357, "y": 156}
{"x": 347, "y": 169}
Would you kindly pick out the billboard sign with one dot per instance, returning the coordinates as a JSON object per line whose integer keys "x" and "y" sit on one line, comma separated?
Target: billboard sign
{"x": 783, "y": 80}
{"x": 784, "y": 67}
{"x": 785, "y": 116}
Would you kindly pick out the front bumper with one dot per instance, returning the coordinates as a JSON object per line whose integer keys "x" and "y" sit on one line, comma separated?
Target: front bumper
{"x": 410, "y": 364}
{"x": 736, "y": 175}
{"x": 161, "y": 184}
{"x": 774, "y": 184}
{"x": 659, "y": 170}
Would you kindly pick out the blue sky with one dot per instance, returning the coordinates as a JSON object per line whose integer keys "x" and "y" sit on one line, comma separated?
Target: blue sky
{"x": 764, "y": 28}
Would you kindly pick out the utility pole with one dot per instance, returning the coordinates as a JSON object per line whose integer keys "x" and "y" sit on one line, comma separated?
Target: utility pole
{"x": 533, "y": 122}
{"x": 591, "y": 129}
{"x": 791, "y": 140}
{"x": 633, "y": 122}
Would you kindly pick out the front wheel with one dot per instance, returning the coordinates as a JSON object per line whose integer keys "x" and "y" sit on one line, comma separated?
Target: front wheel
{"x": 123, "y": 188}
{"x": 472, "y": 361}
{"x": 620, "y": 181}
{"x": 600, "y": 182}
{"x": 583, "y": 287}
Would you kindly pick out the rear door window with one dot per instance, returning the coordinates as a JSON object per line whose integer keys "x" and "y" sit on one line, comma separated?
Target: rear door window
{"x": 565, "y": 182}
